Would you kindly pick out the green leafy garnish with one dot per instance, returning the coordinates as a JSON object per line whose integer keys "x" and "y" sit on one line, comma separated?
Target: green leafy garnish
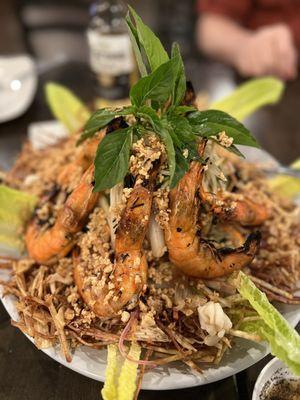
{"x": 165, "y": 134}
{"x": 136, "y": 46}
{"x": 154, "y": 50}
{"x": 180, "y": 81}
{"x": 112, "y": 158}
{"x": 66, "y": 107}
{"x": 16, "y": 208}
{"x": 286, "y": 186}
{"x": 284, "y": 341}
{"x": 211, "y": 122}
{"x": 100, "y": 119}
{"x": 156, "y": 108}
{"x": 250, "y": 96}
{"x": 157, "y": 86}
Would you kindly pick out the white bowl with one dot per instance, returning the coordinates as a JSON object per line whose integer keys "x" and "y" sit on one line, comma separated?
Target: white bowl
{"x": 18, "y": 81}
{"x": 274, "y": 370}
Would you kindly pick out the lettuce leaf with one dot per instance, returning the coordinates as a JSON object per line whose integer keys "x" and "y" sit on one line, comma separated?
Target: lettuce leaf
{"x": 66, "y": 107}
{"x": 109, "y": 391}
{"x": 250, "y": 96}
{"x": 287, "y": 186}
{"x": 128, "y": 374}
{"x": 284, "y": 341}
{"x": 16, "y": 208}
{"x": 120, "y": 380}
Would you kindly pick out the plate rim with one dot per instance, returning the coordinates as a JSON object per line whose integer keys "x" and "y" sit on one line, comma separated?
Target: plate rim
{"x": 220, "y": 373}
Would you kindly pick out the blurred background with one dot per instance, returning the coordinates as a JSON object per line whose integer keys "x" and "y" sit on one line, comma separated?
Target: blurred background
{"x": 214, "y": 39}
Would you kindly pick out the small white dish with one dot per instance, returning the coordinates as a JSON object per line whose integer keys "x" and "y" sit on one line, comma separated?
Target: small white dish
{"x": 273, "y": 372}
{"x": 46, "y": 133}
{"x": 18, "y": 83}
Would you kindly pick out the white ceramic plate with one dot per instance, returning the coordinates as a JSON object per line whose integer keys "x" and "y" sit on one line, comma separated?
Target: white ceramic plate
{"x": 92, "y": 363}
{"x": 18, "y": 83}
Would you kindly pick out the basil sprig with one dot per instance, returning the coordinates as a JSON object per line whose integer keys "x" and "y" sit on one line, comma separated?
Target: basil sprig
{"x": 156, "y": 106}
{"x": 180, "y": 80}
{"x": 211, "y": 122}
{"x": 146, "y": 39}
{"x": 112, "y": 158}
{"x": 157, "y": 86}
{"x": 100, "y": 119}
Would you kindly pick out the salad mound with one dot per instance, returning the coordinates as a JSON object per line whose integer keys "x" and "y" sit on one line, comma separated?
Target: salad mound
{"x": 146, "y": 231}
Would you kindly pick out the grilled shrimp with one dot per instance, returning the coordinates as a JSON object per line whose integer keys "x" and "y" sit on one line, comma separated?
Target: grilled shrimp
{"x": 236, "y": 208}
{"x": 83, "y": 160}
{"x": 187, "y": 250}
{"x": 129, "y": 272}
{"x": 47, "y": 246}
{"x": 243, "y": 211}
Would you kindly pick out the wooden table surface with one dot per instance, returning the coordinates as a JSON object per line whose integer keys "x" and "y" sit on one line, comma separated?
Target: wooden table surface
{"x": 25, "y": 372}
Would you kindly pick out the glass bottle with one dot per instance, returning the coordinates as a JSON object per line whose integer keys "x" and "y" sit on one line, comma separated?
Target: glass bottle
{"x": 111, "y": 56}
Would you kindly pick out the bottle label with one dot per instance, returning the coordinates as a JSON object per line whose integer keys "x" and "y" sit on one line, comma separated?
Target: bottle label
{"x": 110, "y": 54}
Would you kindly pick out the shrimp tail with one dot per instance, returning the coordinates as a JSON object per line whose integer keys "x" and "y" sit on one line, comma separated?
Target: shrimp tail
{"x": 249, "y": 247}
{"x": 47, "y": 246}
{"x": 207, "y": 262}
{"x": 246, "y": 213}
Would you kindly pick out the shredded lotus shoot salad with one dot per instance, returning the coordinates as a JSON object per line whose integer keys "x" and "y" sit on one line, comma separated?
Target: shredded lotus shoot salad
{"x": 149, "y": 147}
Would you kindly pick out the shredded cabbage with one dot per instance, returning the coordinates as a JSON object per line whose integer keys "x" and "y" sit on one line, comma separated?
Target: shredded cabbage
{"x": 66, "y": 107}
{"x": 120, "y": 382}
{"x": 284, "y": 341}
{"x": 16, "y": 208}
{"x": 287, "y": 186}
{"x": 250, "y": 96}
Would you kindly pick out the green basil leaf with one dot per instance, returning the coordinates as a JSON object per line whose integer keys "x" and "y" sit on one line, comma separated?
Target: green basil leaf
{"x": 211, "y": 122}
{"x": 164, "y": 133}
{"x": 182, "y": 110}
{"x": 157, "y": 86}
{"x": 150, "y": 115}
{"x": 233, "y": 149}
{"x": 136, "y": 46}
{"x": 182, "y": 128}
{"x": 164, "y": 130}
{"x": 112, "y": 158}
{"x": 154, "y": 50}
{"x": 176, "y": 141}
{"x": 183, "y": 139}
{"x": 182, "y": 166}
{"x": 100, "y": 119}
{"x": 180, "y": 82}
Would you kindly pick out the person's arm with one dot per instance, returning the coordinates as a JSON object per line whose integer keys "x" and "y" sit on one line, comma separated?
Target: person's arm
{"x": 219, "y": 36}
{"x": 269, "y": 50}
